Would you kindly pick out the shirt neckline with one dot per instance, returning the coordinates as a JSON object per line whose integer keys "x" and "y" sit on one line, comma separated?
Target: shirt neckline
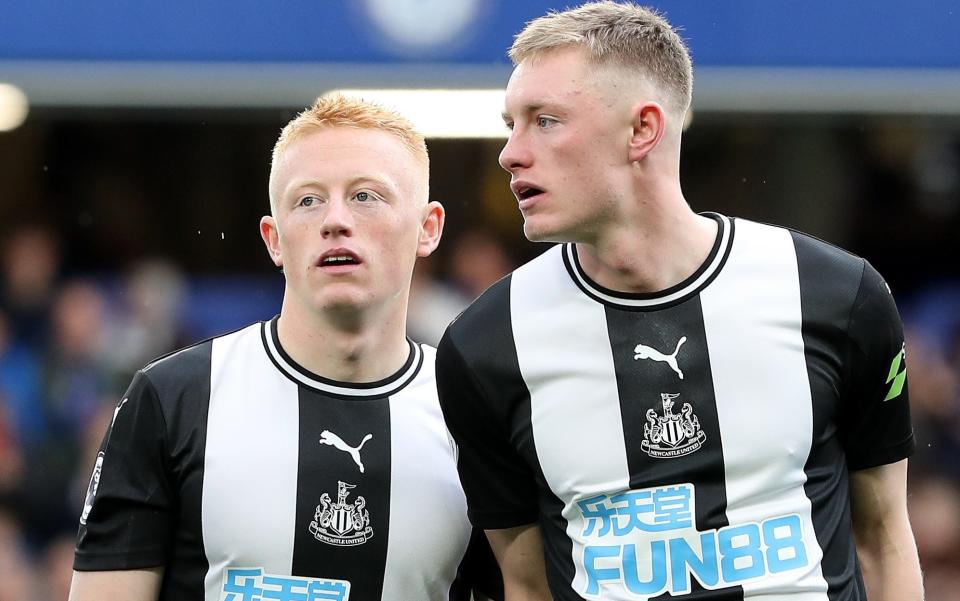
{"x": 349, "y": 390}
{"x": 650, "y": 301}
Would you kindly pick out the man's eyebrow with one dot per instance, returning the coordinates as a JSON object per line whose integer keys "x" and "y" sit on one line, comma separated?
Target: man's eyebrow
{"x": 372, "y": 179}
{"x": 526, "y": 110}
{"x": 309, "y": 182}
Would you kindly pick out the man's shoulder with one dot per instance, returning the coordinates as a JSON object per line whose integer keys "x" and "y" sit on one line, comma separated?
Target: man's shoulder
{"x": 493, "y": 305}
{"x": 817, "y": 257}
{"x": 190, "y": 365}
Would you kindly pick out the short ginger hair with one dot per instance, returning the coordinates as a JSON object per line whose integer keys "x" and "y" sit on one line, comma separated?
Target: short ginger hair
{"x": 336, "y": 110}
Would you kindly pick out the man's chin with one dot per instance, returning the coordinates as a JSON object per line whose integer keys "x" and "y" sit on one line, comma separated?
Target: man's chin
{"x": 345, "y": 301}
{"x": 535, "y": 232}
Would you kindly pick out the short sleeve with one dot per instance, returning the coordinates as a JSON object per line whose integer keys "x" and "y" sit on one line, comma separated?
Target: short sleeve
{"x": 128, "y": 515}
{"x": 499, "y": 485}
{"x": 875, "y": 427}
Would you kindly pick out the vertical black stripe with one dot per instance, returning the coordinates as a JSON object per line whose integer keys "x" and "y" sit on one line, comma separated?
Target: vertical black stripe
{"x": 829, "y": 278}
{"x": 557, "y": 546}
{"x": 182, "y": 383}
{"x": 510, "y": 385}
{"x": 642, "y": 378}
{"x": 343, "y": 549}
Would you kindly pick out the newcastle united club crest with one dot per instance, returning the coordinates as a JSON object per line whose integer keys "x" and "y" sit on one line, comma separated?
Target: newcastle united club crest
{"x": 341, "y": 524}
{"x": 671, "y": 435}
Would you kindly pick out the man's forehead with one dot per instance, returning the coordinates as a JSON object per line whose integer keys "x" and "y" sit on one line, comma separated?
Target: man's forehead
{"x": 340, "y": 144}
{"x": 342, "y": 155}
{"x": 529, "y": 91}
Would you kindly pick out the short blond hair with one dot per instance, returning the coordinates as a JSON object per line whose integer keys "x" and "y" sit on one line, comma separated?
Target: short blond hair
{"x": 336, "y": 110}
{"x": 618, "y": 33}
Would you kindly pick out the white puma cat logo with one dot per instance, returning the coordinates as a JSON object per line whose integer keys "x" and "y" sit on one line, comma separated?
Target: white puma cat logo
{"x": 329, "y": 438}
{"x": 646, "y": 352}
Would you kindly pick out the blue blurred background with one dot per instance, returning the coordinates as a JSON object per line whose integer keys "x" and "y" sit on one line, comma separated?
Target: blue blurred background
{"x": 131, "y": 192}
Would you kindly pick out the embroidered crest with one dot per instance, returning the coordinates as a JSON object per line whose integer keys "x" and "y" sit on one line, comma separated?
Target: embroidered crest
{"x": 341, "y": 524}
{"x": 671, "y": 435}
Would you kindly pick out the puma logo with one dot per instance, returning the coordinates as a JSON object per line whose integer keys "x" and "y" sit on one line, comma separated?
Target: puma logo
{"x": 329, "y": 438}
{"x": 646, "y": 352}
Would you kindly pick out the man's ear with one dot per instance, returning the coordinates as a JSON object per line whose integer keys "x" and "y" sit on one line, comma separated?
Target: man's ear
{"x": 649, "y": 127}
{"x": 431, "y": 228}
{"x": 271, "y": 238}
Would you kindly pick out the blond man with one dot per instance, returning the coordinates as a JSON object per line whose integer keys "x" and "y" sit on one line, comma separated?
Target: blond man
{"x": 669, "y": 404}
{"x": 302, "y": 458}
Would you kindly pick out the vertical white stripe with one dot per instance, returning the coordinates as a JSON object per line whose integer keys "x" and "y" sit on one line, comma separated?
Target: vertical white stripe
{"x": 752, "y": 318}
{"x": 575, "y": 406}
{"x": 250, "y": 466}
{"x": 429, "y": 529}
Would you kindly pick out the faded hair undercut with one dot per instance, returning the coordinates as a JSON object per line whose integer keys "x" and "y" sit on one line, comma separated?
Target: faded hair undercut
{"x": 616, "y": 33}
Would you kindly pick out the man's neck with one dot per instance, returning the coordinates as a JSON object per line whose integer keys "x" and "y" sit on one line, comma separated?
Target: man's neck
{"x": 660, "y": 245}
{"x": 364, "y": 348}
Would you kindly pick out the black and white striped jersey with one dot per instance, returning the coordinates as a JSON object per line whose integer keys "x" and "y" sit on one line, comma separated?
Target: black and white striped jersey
{"x": 693, "y": 443}
{"x": 250, "y": 478}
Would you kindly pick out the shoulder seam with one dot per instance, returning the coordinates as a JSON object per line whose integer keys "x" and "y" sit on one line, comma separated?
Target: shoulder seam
{"x": 472, "y": 375}
{"x": 853, "y": 305}
{"x": 166, "y": 428}
{"x": 195, "y": 345}
{"x": 849, "y": 342}
{"x": 817, "y": 238}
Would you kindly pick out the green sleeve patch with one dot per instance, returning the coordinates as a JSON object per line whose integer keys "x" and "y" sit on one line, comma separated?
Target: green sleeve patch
{"x": 897, "y": 375}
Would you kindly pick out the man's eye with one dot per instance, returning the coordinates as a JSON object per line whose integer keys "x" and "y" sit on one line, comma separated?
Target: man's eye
{"x": 545, "y": 121}
{"x": 363, "y": 196}
{"x": 306, "y": 201}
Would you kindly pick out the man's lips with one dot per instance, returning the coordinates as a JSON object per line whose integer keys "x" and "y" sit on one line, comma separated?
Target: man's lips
{"x": 527, "y": 193}
{"x": 339, "y": 260}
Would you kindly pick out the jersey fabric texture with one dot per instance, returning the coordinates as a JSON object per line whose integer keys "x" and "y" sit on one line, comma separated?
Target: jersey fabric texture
{"x": 694, "y": 443}
{"x": 248, "y": 477}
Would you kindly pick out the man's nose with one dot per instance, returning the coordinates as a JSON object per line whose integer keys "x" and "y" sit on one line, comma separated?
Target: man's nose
{"x": 515, "y": 153}
{"x": 337, "y": 219}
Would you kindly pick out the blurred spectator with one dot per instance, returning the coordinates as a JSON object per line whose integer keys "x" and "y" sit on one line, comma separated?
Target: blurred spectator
{"x": 76, "y": 371}
{"x": 935, "y": 517}
{"x": 20, "y": 399}
{"x": 150, "y": 324}
{"x": 934, "y": 392}
{"x": 57, "y": 565}
{"x": 11, "y": 459}
{"x": 479, "y": 259}
{"x": 30, "y": 264}
{"x": 77, "y": 384}
{"x": 433, "y": 304}
{"x": 933, "y": 356}
{"x": 17, "y": 580}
